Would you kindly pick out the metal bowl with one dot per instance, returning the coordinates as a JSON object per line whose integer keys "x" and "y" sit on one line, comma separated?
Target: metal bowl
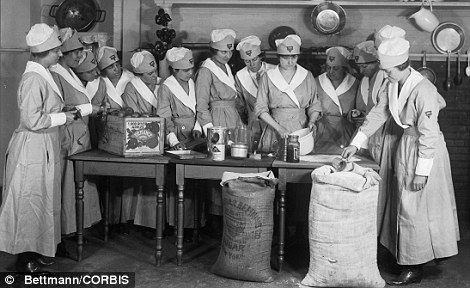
{"x": 328, "y": 18}
{"x": 448, "y": 36}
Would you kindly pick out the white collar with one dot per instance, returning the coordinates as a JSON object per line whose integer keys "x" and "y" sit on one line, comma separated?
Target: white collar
{"x": 35, "y": 67}
{"x": 144, "y": 91}
{"x": 71, "y": 78}
{"x": 189, "y": 100}
{"x": 278, "y": 80}
{"x": 227, "y": 79}
{"x": 333, "y": 93}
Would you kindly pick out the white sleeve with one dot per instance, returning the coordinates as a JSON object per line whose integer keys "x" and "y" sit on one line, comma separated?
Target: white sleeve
{"x": 57, "y": 119}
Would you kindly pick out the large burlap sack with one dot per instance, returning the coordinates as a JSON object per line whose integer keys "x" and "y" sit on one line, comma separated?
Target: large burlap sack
{"x": 248, "y": 226}
{"x": 342, "y": 229}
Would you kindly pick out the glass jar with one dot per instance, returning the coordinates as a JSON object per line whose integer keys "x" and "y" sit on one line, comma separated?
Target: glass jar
{"x": 293, "y": 149}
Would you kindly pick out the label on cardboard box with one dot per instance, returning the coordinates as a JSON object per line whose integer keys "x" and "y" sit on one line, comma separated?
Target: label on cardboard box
{"x": 142, "y": 136}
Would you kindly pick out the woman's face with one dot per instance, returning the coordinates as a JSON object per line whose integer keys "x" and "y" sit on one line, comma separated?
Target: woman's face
{"x": 394, "y": 74}
{"x": 223, "y": 56}
{"x": 288, "y": 62}
{"x": 72, "y": 58}
{"x": 183, "y": 74}
{"x": 368, "y": 69}
{"x": 253, "y": 64}
{"x": 113, "y": 71}
{"x": 335, "y": 72}
{"x": 53, "y": 57}
{"x": 89, "y": 76}
{"x": 150, "y": 78}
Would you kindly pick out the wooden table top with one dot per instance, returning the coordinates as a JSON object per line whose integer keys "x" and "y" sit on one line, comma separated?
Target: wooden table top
{"x": 102, "y": 156}
{"x": 264, "y": 162}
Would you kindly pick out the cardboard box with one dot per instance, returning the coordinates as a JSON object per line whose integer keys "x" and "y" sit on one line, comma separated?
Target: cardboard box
{"x": 132, "y": 137}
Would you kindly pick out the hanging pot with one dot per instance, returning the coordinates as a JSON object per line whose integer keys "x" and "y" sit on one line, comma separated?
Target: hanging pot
{"x": 80, "y": 15}
{"x": 425, "y": 19}
{"x": 328, "y": 18}
{"x": 448, "y": 36}
{"x": 426, "y": 71}
{"x": 279, "y": 33}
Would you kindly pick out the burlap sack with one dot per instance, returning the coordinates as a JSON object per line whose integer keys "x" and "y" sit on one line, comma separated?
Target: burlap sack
{"x": 248, "y": 227}
{"x": 343, "y": 230}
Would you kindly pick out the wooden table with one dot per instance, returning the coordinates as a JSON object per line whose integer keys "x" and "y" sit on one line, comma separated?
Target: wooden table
{"x": 300, "y": 173}
{"x": 96, "y": 162}
{"x": 212, "y": 170}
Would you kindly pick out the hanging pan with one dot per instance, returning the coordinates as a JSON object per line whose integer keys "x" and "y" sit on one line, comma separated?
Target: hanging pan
{"x": 328, "y": 18}
{"x": 426, "y": 71}
{"x": 80, "y": 15}
{"x": 447, "y": 37}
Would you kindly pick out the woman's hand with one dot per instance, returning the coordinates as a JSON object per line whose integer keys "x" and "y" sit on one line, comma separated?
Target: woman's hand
{"x": 419, "y": 182}
{"x": 348, "y": 152}
{"x": 312, "y": 127}
{"x": 178, "y": 146}
{"x": 283, "y": 132}
{"x": 69, "y": 116}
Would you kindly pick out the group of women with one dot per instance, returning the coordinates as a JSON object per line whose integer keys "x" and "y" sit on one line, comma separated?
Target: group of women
{"x": 63, "y": 85}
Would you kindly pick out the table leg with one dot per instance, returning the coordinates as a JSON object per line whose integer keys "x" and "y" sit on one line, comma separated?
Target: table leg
{"x": 106, "y": 208}
{"x": 196, "y": 212}
{"x": 180, "y": 230}
{"x": 282, "y": 215}
{"x": 159, "y": 247}
{"x": 79, "y": 206}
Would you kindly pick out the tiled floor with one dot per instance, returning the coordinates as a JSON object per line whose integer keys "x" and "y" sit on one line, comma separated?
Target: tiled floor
{"x": 135, "y": 252}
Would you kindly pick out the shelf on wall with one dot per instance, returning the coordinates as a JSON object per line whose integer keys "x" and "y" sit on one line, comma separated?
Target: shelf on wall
{"x": 306, "y": 51}
{"x": 307, "y": 3}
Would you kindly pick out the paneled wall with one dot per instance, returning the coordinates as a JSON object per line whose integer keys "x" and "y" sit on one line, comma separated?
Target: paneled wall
{"x": 193, "y": 23}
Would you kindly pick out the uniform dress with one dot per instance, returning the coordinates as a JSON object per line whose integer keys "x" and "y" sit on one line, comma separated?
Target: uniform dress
{"x": 30, "y": 210}
{"x": 75, "y": 138}
{"x": 290, "y": 105}
{"x": 217, "y": 103}
{"x": 141, "y": 99}
{"x": 422, "y": 225}
{"x": 334, "y": 131}
{"x": 122, "y": 206}
{"x": 382, "y": 145}
{"x": 179, "y": 110}
{"x": 246, "y": 83}
{"x": 97, "y": 91}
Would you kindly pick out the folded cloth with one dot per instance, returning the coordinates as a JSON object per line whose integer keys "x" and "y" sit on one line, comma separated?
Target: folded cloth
{"x": 356, "y": 179}
{"x": 227, "y": 176}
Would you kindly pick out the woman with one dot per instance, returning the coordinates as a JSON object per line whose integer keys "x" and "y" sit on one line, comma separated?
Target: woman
{"x": 247, "y": 82}
{"x": 337, "y": 93}
{"x": 140, "y": 92}
{"x": 114, "y": 77}
{"x": 30, "y": 210}
{"x": 423, "y": 212}
{"x": 286, "y": 99}
{"x": 177, "y": 104}
{"x": 382, "y": 145}
{"x": 215, "y": 86}
{"x": 75, "y": 137}
{"x": 140, "y": 95}
{"x": 216, "y": 97}
{"x": 89, "y": 74}
{"x": 122, "y": 207}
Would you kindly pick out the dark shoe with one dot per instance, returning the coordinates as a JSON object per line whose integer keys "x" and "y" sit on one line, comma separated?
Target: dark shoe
{"x": 407, "y": 276}
{"x": 45, "y": 261}
{"x": 28, "y": 267}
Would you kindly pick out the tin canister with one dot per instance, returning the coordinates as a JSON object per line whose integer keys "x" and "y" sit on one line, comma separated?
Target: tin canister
{"x": 216, "y": 142}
